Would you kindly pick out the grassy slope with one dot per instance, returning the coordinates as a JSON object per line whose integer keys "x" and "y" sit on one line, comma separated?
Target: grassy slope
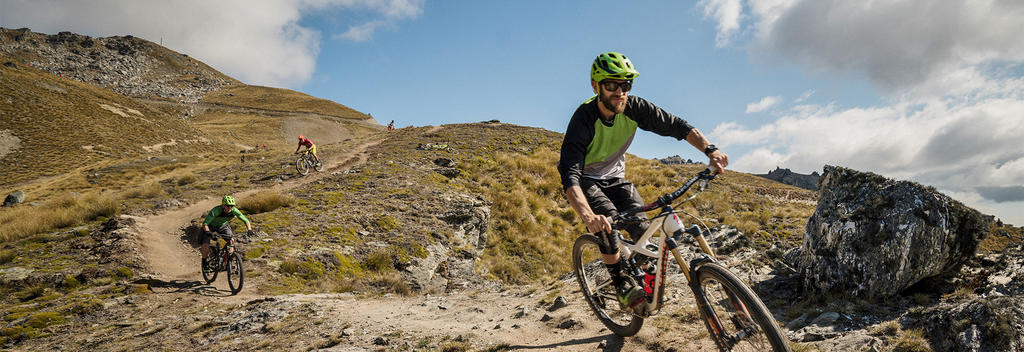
{"x": 54, "y": 118}
{"x": 397, "y": 200}
{"x": 281, "y": 100}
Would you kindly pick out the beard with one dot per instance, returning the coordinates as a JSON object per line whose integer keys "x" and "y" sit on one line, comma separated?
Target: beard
{"x": 606, "y": 100}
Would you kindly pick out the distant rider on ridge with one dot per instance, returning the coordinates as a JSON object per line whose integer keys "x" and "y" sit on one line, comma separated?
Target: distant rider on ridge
{"x": 303, "y": 141}
{"x": 593, "y": 157}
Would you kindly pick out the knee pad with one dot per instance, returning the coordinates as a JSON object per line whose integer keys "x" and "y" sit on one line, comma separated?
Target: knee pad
{"x": 609, "y": 242}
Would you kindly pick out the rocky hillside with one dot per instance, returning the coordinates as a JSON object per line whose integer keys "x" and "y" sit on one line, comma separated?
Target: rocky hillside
{"x": 444, "y": 238}
{"x": 792, "y": 178}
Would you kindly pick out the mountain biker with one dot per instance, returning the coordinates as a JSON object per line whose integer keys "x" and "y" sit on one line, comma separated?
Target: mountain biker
{"x": 391, "y": 125}
{"x": 218, "y": 218}
{"x": 303, "y": 141}
{"x": 593, "y": 157}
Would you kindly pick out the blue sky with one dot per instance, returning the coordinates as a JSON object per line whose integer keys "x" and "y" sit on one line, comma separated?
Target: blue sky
{"x": 923, "y": 90}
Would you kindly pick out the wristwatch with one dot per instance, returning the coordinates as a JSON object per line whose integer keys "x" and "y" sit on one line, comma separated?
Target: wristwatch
{"x": 710, "y": 149}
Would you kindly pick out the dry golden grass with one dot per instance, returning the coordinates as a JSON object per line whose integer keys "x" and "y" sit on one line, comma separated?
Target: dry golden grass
{"x": 535, "y": 227}
{"x": 280, "y": 100}
{"x": 911, "y": 341}
{"x": 265, "y": 201}
{"x": 68, "y": 210}
{"x": 55, "y": 117}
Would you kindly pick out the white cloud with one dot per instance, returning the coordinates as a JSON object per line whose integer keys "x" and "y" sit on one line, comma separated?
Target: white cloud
{"x": 898, "y": 44}
{"x": 360, "y": 33}
{"x": 727, "y": 13}
{"x": 950, "y": 75}
{"x": 259, "y": 42}
{"x": 804, "y": 96}
{"x": 762, "y": 105}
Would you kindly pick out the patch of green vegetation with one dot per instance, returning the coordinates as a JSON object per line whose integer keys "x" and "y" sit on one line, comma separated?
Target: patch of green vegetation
{"x": 123, "y": 273}
{"x": 387, "y": 223}
{"x": 306, "y": 269}
{"x": 7, "y": 256}
{"x": 255, "y": 252}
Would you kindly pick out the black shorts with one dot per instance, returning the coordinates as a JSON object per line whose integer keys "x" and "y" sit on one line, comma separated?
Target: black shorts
{"x": 608, "y": 197}
{"x": 223, "y": 230}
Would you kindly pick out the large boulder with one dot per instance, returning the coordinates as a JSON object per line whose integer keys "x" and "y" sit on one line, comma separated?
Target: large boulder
{"x": 874, "y": 237}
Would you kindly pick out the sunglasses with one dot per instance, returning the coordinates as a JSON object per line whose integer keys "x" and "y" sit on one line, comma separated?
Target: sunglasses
{"x": 612, "y": 86}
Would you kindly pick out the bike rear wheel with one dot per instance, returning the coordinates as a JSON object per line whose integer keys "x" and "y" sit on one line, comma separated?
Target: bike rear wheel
{"x": 597, "y": 288}
{"x": 236, "y": 275}
{"x": 302, "y": 166}
{"x": 734, "y": 315}
{"x": 320, "y": 165}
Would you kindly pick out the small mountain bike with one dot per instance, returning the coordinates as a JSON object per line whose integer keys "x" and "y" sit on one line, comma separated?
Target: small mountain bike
{"x": 307, "y": 162}
{"x": 225, "y": 258}
{"x": 733, "y": 314}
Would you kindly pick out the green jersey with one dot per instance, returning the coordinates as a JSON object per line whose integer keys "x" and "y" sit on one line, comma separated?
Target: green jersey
{"x": 217, "y": 217}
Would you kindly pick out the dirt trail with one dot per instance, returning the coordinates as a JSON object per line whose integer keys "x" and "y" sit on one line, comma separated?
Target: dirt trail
{"x": 171, "y": 258}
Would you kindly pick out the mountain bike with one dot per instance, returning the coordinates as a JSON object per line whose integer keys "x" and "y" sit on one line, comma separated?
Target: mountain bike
{"x": 735, "y": 317}
{"x": 226, "y": 259}
{"x": 306, "y": 162}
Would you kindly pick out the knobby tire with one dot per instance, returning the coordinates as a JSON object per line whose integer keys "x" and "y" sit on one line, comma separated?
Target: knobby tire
{"x": 212, "y": 275}
{"x": 728, "y": 296}
{"x": 620, "y": 320}
{"x": 302, "y": 166}
{"x": 236, "y": 274}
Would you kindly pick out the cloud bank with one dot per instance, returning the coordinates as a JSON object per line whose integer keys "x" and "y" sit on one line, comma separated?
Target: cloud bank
{"x": 950, "y": 72}
{"x": 257, "y": 42}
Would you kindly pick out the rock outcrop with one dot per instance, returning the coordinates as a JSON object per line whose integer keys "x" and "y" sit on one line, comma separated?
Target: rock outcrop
{"x": 127, "y": 65}
{"x": 792, "y": 178}
{"x": 677, "y": 160}
{"x": 874, "y": 237}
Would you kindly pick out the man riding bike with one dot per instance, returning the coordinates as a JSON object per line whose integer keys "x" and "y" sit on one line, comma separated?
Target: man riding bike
{"x": 303, "y": 141}
{"x": 218, "y": 219}
{"x": 593, "y": 157}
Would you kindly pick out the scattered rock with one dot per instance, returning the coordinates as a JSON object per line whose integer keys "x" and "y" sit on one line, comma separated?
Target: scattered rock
{"x": 560, "y": 302}
{"x": 545, "y": 318}
{"x": 570, "y": 323}
{"x": 381, "y": 341}
{"x": 16, "y": 197}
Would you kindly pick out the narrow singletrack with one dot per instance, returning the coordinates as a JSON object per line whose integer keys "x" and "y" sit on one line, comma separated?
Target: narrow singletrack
{"x": 171, "y": 258}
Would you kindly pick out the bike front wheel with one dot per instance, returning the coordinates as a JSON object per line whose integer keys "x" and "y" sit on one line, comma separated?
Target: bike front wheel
{"x": 236, "y": 275}
{"x": 211, "y": 275}
{"x": 734, "y": 315}
{"x": 598, "y": 290}
{"x": 302, "y": 166}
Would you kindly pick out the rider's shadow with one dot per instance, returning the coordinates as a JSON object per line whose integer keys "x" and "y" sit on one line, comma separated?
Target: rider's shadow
{"x": 612, "y": 343}
{"x": 183, "y": 286}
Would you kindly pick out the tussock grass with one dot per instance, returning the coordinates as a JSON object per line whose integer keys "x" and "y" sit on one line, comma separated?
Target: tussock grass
{"x": 149, "y": 191}
{"x": 265, "y": 201}
{"x": 911, "y": 341}
{"x": 280, "y": 99}
{"x": 59, "y": 212}
{"x": 534, "y": 226}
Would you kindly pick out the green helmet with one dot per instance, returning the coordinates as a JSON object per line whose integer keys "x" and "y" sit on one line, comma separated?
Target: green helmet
{"x": 612, "y": 65}
{"x": 228, "y": 200}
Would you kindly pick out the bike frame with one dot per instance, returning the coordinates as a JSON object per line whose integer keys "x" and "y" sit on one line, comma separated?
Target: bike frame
{"x": 657, "y": 250}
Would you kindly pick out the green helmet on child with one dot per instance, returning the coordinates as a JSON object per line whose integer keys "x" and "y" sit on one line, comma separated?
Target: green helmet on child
{"x": 612, "y": 65}
{"x": 228, "y": 200}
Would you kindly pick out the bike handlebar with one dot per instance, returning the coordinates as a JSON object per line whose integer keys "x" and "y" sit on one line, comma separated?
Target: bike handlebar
{"x": 706, "y": 174}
